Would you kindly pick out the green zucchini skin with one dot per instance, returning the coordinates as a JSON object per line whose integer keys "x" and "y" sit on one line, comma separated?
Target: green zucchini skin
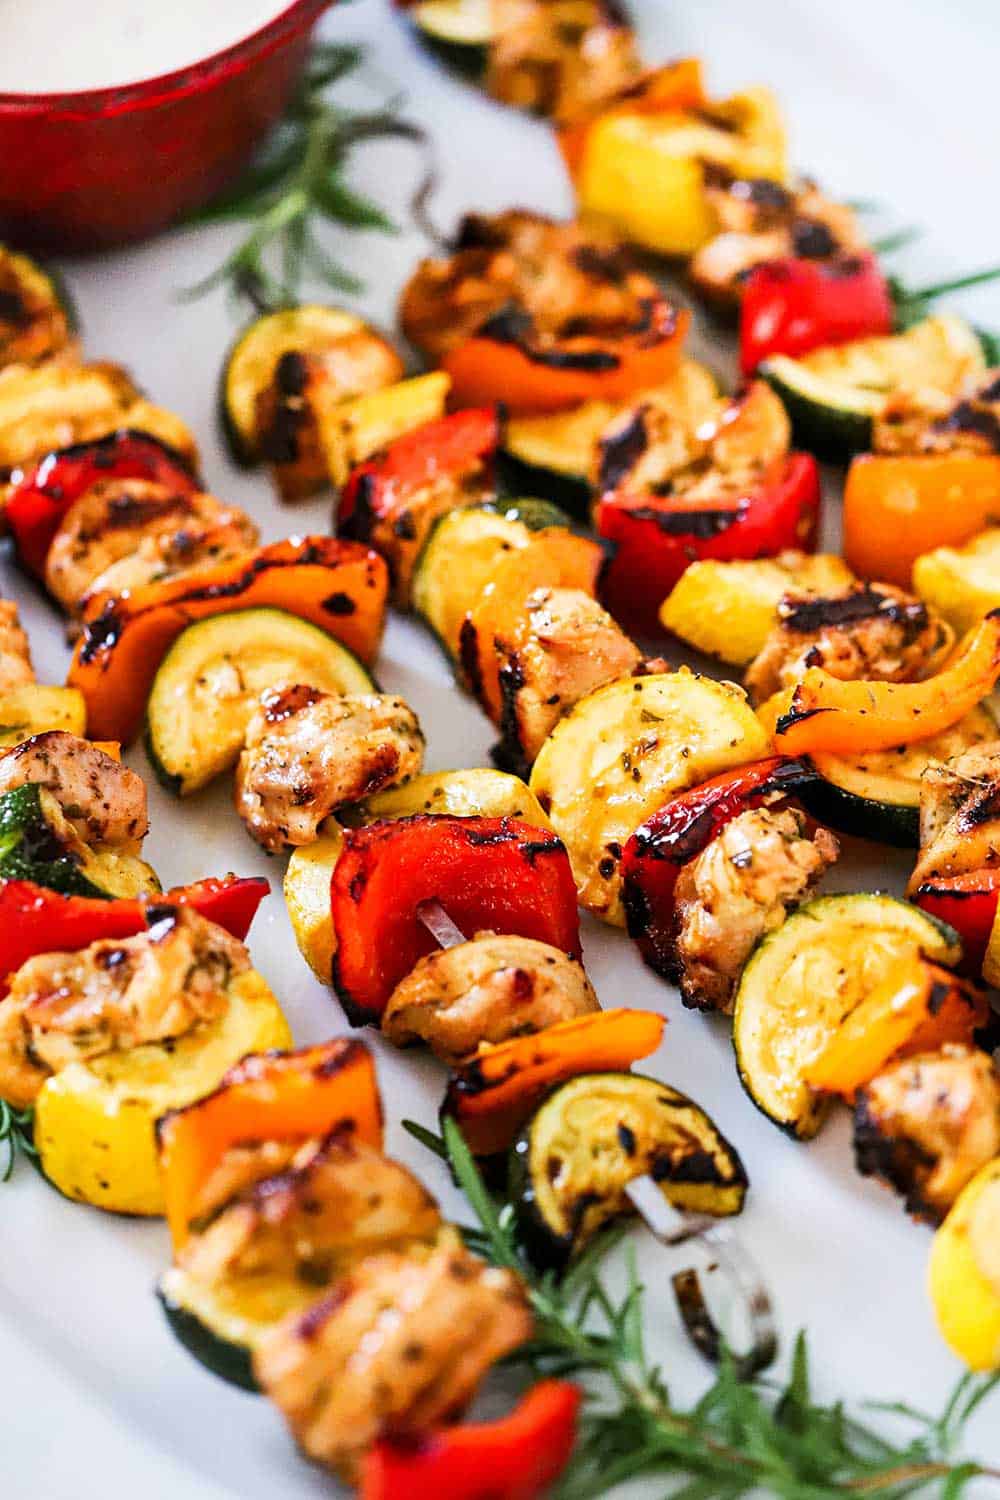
{"x": 571, "y": 492}
{"x": 30, "y": 850}
{"x": 466, "y": 59}
{"x": 691, "y": 1153}
{"x": 828, "y": 431}
{"x": 229, "y": 1361}
{"x": 861, "y": 817}
{"x": 537, "y": 514}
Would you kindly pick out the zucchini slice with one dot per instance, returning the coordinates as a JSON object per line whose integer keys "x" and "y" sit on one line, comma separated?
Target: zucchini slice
{"x": 94, "y": 1121}
{"x": 254, "y": 360}
{"x": 591, "y": 1137}
{"x": 37, "y": 319}
{"x": 805, "y": 978}
{"x": 834, "y": 394}
{"x": 208, "y": 684}
{"x": 353, "y": 430}
{"x": 38, "y": 844}
{"x": 476, "y": 793}
{"x": 457, "y": 561}
{"x": 218, "y": 1333}
{"x": 728, "y": 609}
{"x": 877, "y": 795}
{"x": 34, "y": 708}
{"x": 621, "y": 752}
{"x": 459, "y": 32}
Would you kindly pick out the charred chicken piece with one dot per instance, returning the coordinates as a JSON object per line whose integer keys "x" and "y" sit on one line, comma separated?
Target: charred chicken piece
{"x": 526, "y": 277}
{"x": 487, "y": 990}
{"x": 913, "y": 423}
{"x": 927, "y": 1124}
{"x": 760, "y": 866}
{"x": 309, "y": 752}
{"x": 308, "y": 1211}
{"x": 567, "y": 647}
{"x": 397, "y": 1347}
{"x": 15, "y": 655}
{"x": 649, "y": 449}
{"x": 760, "y": 220}
{"x": 871, "y": 631}
{"x": 560, "y": 58}
{"x": 112, "y": 996}
{"x": 959, "y": 815}
{"x": 102, "y": 800}
{"x": 125, "y": 533}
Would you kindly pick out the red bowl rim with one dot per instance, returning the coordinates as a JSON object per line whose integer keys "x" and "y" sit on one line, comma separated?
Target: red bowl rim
{"x": 119, "y": 98}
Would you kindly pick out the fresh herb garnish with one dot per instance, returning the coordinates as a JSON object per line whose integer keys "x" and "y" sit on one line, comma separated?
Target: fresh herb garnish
{"x": 741, "y": 1436}
{"x": 17, "y": 1136}
{"x": 298, "y": 182}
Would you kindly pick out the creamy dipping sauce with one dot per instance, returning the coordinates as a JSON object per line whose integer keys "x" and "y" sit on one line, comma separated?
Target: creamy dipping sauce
{"x": 62, "y": 46}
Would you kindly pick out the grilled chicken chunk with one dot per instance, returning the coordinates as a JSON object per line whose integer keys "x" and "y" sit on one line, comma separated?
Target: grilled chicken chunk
{"x": 869, "y": 631}
{"x": 650, "y": 448}
{"x": 124, "y": 533}
{"x": 308, "y": 753}
{"x": 927, "y": 1124}
{"x": 545, "y": 278}
{"x": 568, "y": 646}
{"x": 559, "y": 58}
{"x": 959, "y": 815}
{"x": 759, "y": 220}
{"x": 15, "y": 655}
{"x": 398, "y": 1346}
{"x": 103, "y": 800}
{"x": 115, "y": 995}
{"x": 487, "y": 990}
{"x": 922, "y": 423}
{"x": 742, "y": 886}
{"x": 336, "y": 1201}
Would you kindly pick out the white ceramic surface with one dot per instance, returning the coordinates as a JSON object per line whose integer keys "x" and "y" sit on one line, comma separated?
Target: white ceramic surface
{"x": 894, "y": 101}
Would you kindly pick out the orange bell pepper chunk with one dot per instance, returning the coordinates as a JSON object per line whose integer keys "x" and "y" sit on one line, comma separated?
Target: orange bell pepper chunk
{"x": 676, "y": 88}
{"x": 844, "y": 717}
{"x": 341, "y": 586}
{"x": 268, "y": 1096}
{"x": 494, "y": 1092}
{"x": 484, "y": 370}
{"x": 896, "y": 508}
{"x": 555, "y": 559}
{"x": 918, "y": 1007}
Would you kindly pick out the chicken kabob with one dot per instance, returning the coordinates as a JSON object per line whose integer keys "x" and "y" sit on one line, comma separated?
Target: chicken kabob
{"x": 512, "y": 1013}
{"x": 312, "y": 1267}
{"x": 118, "y": 999}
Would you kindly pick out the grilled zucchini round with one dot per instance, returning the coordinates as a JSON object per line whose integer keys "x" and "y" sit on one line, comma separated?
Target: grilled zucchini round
{"x": 37, "y": 844}
{"x": 805, "y": 978}
{"x": 210, "y": 680}
{"x": 37, "y": 317}
{"x": 572, "y": 1162}
{"x": 621, "y": 752}
{"x": 877, "y": 795}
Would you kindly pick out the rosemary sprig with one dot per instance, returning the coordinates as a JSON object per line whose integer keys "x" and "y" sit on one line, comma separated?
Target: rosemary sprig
{"x": 297, "y": 182}
{"x": 740, "y": 1437}
{"x": 16, "y": 1136}
{"x": 914, "y": 303}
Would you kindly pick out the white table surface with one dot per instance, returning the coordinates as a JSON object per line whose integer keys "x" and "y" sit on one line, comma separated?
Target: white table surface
{"x": 893, "y": 101}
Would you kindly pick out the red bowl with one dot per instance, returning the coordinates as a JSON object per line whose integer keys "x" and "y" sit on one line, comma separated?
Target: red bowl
{"x": 87, "y": 170}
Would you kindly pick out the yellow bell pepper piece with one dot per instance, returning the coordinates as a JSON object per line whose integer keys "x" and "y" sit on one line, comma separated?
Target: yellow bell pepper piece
{"x": 964, "y": 1273}
{"x": 644, "y": 171}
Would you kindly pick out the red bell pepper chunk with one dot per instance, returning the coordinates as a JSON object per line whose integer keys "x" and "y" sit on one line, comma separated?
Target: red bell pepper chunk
{"x": 792, "y": 306}
{"x": 967, "y": 902}
{"x": 36, "y": 920}
{"x": 516, "y": 1458}
{"x": 487, "y": 873}
{"x": 676, "y": 833}
{"x": 657, "y": 537}
{"x": 452, "y": 445}
{"x": 41, "y": 495}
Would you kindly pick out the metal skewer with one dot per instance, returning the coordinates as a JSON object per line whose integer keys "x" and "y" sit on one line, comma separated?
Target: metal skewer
{"x": 724, "y": 1256}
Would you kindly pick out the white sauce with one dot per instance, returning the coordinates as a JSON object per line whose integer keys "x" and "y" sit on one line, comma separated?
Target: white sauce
{"x": 59, "y": 46}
